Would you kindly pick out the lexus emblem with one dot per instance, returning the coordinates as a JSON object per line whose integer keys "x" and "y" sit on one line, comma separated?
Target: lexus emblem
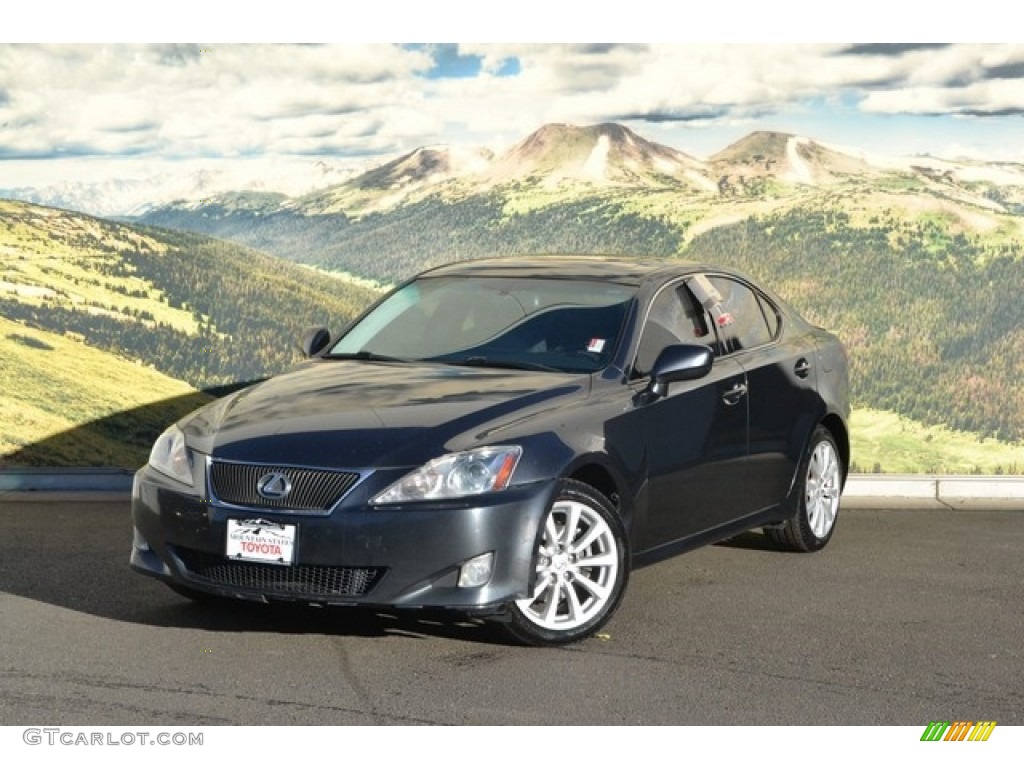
{"x": 274, "y": 485}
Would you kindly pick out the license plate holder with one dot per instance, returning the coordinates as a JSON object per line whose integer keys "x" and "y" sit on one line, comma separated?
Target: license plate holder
{"x": 261, "y": 541}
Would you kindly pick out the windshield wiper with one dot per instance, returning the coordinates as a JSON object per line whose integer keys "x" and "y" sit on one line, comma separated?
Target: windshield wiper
{"x": 486, "y": 362}
{"x": 366, "y": 355}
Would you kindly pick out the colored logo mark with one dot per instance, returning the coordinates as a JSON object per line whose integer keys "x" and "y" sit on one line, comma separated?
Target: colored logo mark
{"x": 960, "y": 730}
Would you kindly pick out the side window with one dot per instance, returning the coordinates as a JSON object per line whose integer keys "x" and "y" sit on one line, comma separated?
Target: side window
{"x": 675, "y": 318}
{"x": 741, "y": 319}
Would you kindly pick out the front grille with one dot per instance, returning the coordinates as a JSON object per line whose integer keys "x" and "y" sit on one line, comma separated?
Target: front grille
{"x": 313, "y": 489}
{"x": 305, "y": 580}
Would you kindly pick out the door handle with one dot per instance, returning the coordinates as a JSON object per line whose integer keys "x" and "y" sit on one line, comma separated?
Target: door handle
{"x": 734, "y": 395}
{"x": 802, "y": 368}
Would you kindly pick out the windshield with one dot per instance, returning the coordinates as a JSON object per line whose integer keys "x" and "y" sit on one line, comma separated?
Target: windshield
{"x": 531, "y": 323}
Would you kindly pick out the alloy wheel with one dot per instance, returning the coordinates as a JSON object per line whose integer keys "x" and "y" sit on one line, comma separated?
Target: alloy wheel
{"x": 822, "y": 489}
{"x": 577, "y": 566}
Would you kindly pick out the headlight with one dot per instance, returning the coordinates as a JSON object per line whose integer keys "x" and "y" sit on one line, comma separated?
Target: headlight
{"x": 456, "y": 475}
{"x": 171, "y": 457}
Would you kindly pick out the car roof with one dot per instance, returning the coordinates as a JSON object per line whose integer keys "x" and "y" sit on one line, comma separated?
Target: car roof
{"x": 618, "y": 269}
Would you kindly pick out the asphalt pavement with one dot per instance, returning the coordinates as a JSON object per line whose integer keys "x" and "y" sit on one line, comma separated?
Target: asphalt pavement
{"x": 906, "y": 617}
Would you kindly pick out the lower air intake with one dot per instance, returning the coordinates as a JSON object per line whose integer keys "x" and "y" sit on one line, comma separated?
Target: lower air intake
{"x": 294, "y": 580}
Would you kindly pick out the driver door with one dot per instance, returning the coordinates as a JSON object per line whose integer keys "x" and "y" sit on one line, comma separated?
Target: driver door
{"x": 695, "y": 437}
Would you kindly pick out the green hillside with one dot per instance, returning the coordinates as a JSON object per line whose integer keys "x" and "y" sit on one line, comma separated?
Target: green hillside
{"x": 143, "y": 315}
{"x": 61, "y": 402}
{"x": 201, "y": 310}
{"x": 931, "y": 319}
{"x": 881, "y": 440}
{"x": 396, "y": 244}
{"x": 927, "y": 305}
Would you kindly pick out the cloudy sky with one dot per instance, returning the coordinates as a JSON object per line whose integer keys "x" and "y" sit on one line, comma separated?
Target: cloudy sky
{"x": 85, "y": 112}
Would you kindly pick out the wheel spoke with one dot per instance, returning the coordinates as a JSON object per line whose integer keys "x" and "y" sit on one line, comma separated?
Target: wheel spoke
{"x": 550, "y": 532}
{"x": 815, "y": 471}
{"x": 816, "y": 519}
{"x": 538, "y": 588}
{"x": 826, "y": 461}
{"x": 827, "y": 517}
{"x": 602, "y": 558}
{"x": 575, "y": 609}
{"x": 811, "y": 493}
{"x": 554, "y": 598}
{"x": 587, "y": 540}
{"x": 572, "y": 521}
{"x": 592, "y": 587}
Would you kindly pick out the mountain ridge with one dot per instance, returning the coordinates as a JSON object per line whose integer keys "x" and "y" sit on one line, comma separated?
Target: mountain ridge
{"x": 577, "y": 185}
{"x": 440, "y": 169}
{"x": 558, "y": 162}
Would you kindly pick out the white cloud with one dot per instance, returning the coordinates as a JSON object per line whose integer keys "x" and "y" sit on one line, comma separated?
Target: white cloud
{"x": 193, "y": 100}
{"x": 355, "y": 100}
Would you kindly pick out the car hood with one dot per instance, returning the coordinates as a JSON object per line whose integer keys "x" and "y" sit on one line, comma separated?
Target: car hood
{"x": 357, "y": 414}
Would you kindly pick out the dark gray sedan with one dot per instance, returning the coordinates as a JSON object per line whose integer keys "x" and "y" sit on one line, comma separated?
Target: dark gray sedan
{"x": 507, "y": 438}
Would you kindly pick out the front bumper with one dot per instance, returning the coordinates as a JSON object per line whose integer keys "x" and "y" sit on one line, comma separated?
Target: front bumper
{"x": 406, "y": 557}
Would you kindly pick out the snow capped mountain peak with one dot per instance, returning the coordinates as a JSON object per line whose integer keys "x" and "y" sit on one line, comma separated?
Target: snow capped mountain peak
{"x": 426, "y": 165}
{"x": 606, "y": 153}
{"x": 787, "y": 157}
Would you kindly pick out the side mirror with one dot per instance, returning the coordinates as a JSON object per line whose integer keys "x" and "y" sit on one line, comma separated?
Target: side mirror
{"x": 680, "y": 362}
{"x": 314, "y": 340}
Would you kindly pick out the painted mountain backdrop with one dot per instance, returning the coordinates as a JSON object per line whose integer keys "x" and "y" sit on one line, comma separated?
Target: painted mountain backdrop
{"x": 915, "y": 262}
{"x": 598, "y": 189}
{"x": 108, "y": 333}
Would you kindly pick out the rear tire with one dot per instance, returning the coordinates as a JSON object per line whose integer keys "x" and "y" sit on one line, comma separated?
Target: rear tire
{"x": 581, "y": 566}
{"x": 815, "y": 499}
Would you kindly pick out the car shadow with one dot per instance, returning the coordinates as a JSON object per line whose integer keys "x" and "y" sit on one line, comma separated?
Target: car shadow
{"x": 295, "y": 619}
{"x": 120, "y": 440}
{"x": 753, "y": 540}
{"x": 73, "y": 554}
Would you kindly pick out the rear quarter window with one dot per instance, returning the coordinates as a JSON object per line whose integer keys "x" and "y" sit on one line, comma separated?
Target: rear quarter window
{"x": 743, "y": 323}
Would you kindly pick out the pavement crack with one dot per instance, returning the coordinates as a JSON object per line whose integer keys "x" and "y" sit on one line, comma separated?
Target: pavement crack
{"x": 94, "y": 684}
{"x": 349, "y": 675}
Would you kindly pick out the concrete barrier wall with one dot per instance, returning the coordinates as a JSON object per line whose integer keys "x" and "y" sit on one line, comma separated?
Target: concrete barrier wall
{"x": 862, "y": 491}
{"x": 934, "y": 492}
{"x": 65, "y": 480}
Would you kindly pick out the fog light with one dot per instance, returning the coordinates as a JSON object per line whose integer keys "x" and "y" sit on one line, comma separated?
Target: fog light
{"x": 138, "y": 542}
{"x": 477, "y": 572}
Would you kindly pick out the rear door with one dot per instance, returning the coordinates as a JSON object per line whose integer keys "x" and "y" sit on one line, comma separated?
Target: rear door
{"x": 782, "y": 394}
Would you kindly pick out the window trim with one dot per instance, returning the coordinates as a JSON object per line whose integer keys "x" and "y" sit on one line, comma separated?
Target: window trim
{"x": 762, "y": 299}
{"x": 631, "y": 373}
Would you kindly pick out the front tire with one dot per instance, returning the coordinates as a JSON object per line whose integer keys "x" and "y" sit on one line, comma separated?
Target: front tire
{"x": 816, "y": 498}
{"x": 581, "y": 566}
